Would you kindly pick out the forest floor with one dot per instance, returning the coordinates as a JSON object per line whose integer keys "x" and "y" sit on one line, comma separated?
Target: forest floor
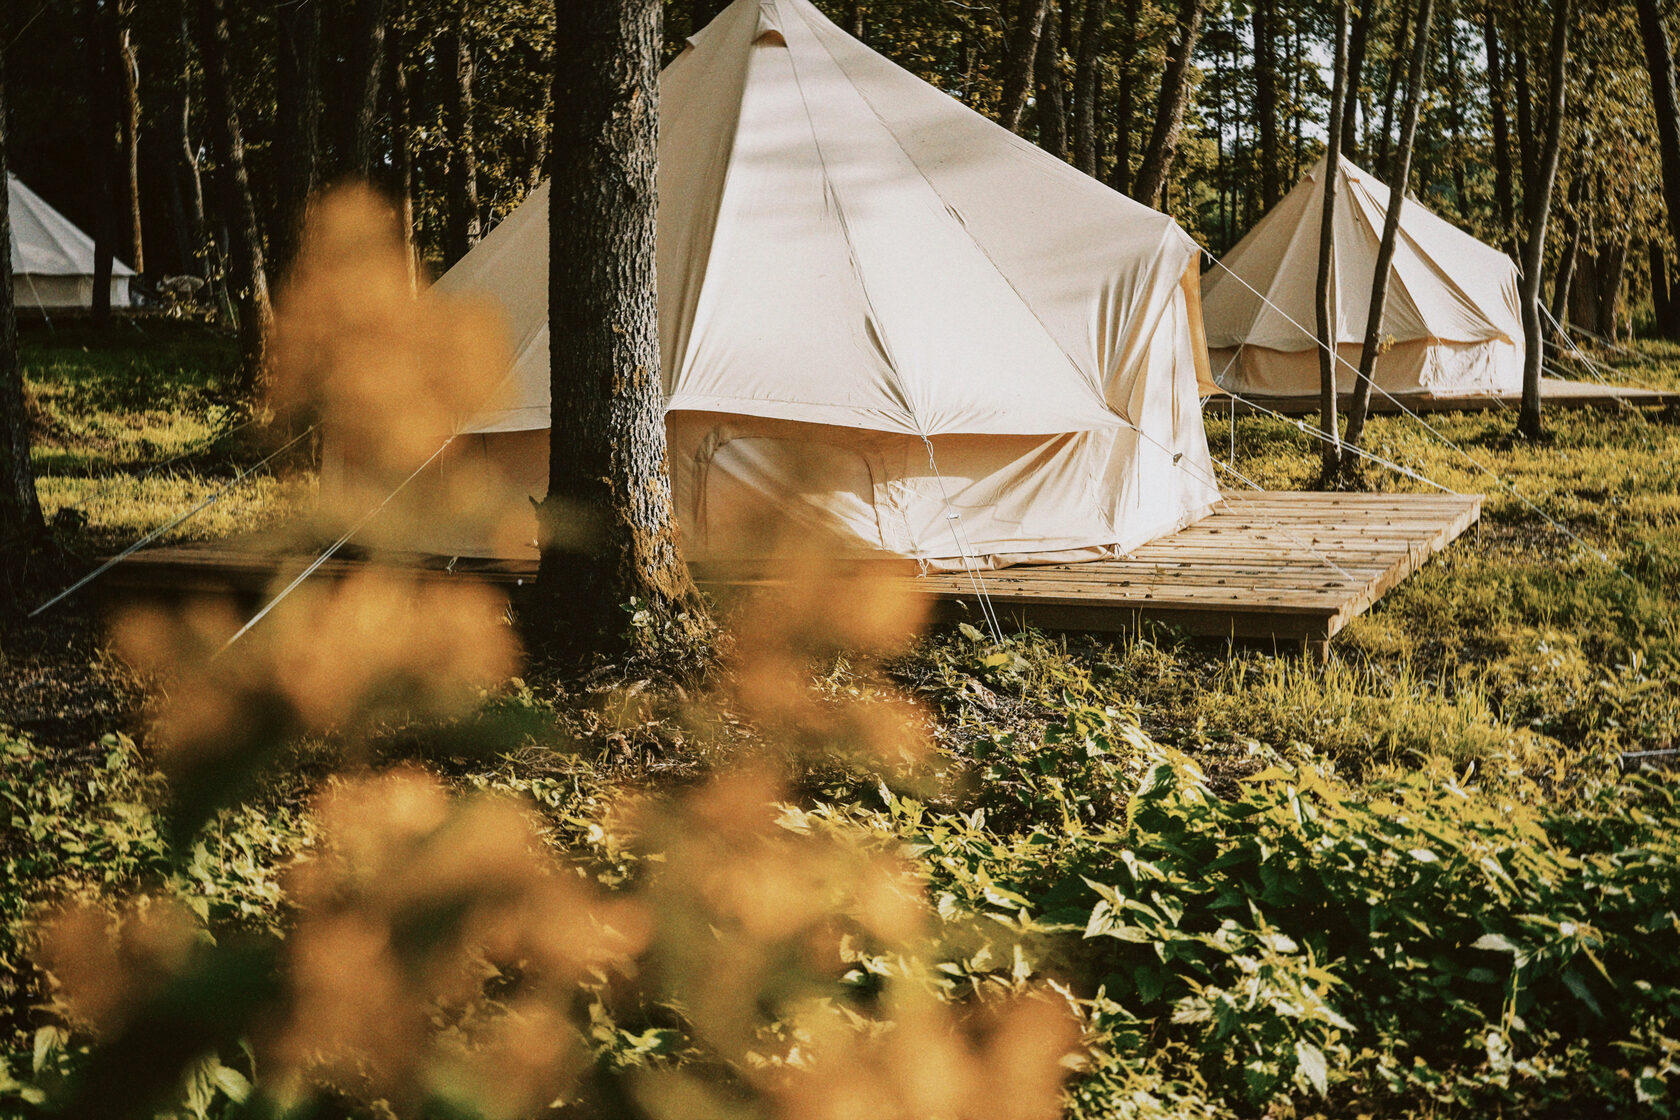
{"x": 1531, "y": 673}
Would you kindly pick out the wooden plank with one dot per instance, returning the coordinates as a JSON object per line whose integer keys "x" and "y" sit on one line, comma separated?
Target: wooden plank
{"x": 1281, "y": 566}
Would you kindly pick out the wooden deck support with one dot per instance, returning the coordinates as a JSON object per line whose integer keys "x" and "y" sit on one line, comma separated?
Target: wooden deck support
{"x": 1284, "y": 567}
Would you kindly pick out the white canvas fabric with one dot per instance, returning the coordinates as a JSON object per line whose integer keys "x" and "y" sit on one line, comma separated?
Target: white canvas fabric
{"x": 52, "y": 260}
{"x": 1451, "y": 324}
{"x": 877, "y": 310}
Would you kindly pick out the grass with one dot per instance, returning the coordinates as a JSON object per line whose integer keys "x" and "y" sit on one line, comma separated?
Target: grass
{"x": 1517, "y": 669}
{"x": 138, "y": 424}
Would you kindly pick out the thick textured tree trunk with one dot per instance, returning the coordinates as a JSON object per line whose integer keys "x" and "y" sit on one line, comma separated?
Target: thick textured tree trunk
{"x": 608, "y": 471}
{"x": 1091, "y": 28}
{"x": 1331, "y": 451}
{"x": 1665, "y": 102}
{"x": 1391, "y": 87}
{"x": 1047, "y": 68}
{"x": 298, "y": 109}
{"x": 1169, "y": 110}
{"x": 1266, "y": 100}
{"x": 128, "y": 62}
{"x": 102, "y": 130}
{"x": 1360, "y": 406}
{"x": 1537, "y": 199}
{"x": 463, "y": 229}
{"x": 1502, "y": 188}
{"x": 358, "y": 146}
{"x": 1018, "y": 61}
{"x": 1355, "y": 70}
{"x": 247, "y": 269}
{"x": 21, "y": 526}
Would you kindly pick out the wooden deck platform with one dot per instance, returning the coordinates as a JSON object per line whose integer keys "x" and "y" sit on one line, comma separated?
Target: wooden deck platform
{"x": 1554, "y": 393}
{"x": 1282, "y": 567}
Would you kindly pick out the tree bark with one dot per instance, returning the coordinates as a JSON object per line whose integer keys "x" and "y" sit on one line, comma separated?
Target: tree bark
{"x": 1502, "y": 190}
{"x": 608, "y": 465}
{"x": 247, "y": 269}
{"x": 1047, "y": 68}
{"x": 1537, "y": 200}
{"x": 1125, "y": 98}
{"x": 128, "y": 62}
{"x": 1092, "y": 26}
{"x": 1169, "y": 110}
{"x": 1525, "y": 125}
{"x": 1391, "y": 86}
{"x": 1659, "y": 64}
{"x": 102, "y": 130}
{"x": 22, "y": 528}
{"x": 1663, "y": 302}
{"x": 1360, "y": 406}
{"x": 1266, "y": 100}
{"x": 1018, "y": 63}
{"x": 1565, "y": 276}
{"x": 397, "y": 96}
{"x": 298, "y": 109}
{"x": 855, "y": 12}
{"x": 358, "y": 146}
{"x": 194, "y": 233}
{"x": 1331, "y": 450}
{"x": 464, "y": 223}
{"x": 1355, "y": 69}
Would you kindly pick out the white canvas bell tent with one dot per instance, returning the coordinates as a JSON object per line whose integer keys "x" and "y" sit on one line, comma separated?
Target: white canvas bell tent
{"x": 878, "y": 310}
{"x": 52, "y": 260}
{"x": 1451, "y": 326}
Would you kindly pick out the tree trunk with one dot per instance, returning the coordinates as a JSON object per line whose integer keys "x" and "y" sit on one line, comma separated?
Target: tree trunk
{"x": 102, "y": 130}
{"x": 1359, "y": 408}
{"x": 1047, "y": 67}
{"x": 247, "y": 270}
{"x": 1565, "y": 277}
{"x": 298, "y": 109}
{"x": 1525, "y": 125}
{"x": 194, "y": 232}
{"x": 1455, "y": 117}
{"x": 854, "y": 19}
{"x": 397, "y": 96}
{"x": 1502, "y": 193}
{"x": 1331, "y": 451}
{"x": 1355, "y": 71}
{"x": 128, "y": 60}
{"x": 21, "y": 525}
{"x": 1018, "y": 62}
{"x": 1125, "y": 97}
{"x": 1266, "y": 100}
{"x": 463, "y": 228}
{"x": 1091, "y": 32}
{"x": 1663, "y": 301}
{"x": 1169, "y": 110}
{"x": 358, "y": 147}
{"x": 1391, "y": 86}
{"x": 1537, "y": 200}
{"x": 1659, "y": 63}
{"x": 608, "y": 467}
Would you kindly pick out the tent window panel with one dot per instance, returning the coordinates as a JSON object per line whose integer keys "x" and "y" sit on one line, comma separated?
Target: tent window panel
{"x": 762, "y": 495}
